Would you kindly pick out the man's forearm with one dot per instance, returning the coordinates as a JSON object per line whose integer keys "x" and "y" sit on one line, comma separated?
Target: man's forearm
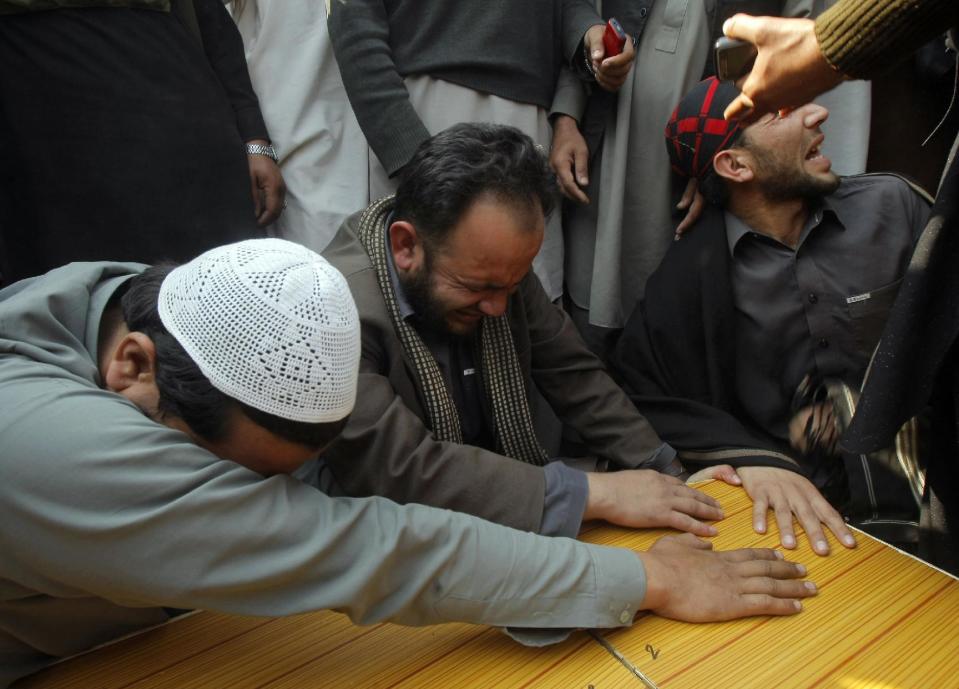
{"x": 862, "y": 38}
{"x": 359, "y": 33}
{"x": 570, "y": 96}
{"x": 224, "y": 49}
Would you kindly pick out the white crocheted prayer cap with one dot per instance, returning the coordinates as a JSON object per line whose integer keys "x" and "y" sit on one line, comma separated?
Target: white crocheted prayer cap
{"x": 271, "y": 324}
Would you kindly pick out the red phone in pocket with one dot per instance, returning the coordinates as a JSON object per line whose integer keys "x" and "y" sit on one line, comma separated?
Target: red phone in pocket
{"x": 614, "y": 38}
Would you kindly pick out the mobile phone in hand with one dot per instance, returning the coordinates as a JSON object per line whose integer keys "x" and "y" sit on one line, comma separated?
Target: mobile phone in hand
{"x": 614, "y": 38}
{"x": 734, "y": 58}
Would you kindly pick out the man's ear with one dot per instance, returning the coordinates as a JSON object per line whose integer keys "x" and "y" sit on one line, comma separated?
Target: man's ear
{"x": 406, "y": 246}
{"x": 734, "y": 164}
{"x": 131, "y": 366}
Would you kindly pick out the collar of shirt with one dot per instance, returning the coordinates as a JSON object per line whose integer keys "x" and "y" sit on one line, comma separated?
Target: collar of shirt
{"x": 406, "y": 309}
{"x": 736, "y": 229}
{"x": 99, "y": 299}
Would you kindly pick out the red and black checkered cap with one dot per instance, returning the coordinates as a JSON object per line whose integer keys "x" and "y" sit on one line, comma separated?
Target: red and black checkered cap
{"x": 697, "y": 130}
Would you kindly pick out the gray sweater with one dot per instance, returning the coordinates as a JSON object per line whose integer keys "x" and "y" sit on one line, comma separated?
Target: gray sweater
{"x": 508, "y": 49}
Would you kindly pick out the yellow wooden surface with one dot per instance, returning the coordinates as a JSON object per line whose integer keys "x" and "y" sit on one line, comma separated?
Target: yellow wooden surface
{"x": 881, "y": 621}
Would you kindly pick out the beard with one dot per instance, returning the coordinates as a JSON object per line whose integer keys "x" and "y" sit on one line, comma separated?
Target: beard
{"x": 431, "y": 312}
{"x": 782, "y": 182}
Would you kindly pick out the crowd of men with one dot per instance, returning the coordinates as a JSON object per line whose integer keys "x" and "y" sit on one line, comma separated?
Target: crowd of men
{"x": 262, "y": 429}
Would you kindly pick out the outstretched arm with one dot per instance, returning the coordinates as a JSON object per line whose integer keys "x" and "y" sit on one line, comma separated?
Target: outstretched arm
{"x": 799, "y": 59}
{"x": 790, "y": 69}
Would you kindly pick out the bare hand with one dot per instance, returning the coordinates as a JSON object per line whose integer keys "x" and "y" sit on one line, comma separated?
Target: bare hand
{"x": 685, "y": 580}
{"x": 694, "y": 202}
{"x": 720, "y": 472}
{"x": 610, "y": 72}
{"x": 789, "y": 71}
{"x": 645, "y": 498}
{"x": 269, "y": 190}
{"x": 788, "y": 494}
{"x": 569, "y": 158}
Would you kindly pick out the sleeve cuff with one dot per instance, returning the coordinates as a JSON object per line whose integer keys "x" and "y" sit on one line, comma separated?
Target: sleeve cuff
{"x": 620, "y": 584}
{"x": 565, "y": 500}
{"x": 620, "y": 591}
{"x": 570, "y": 97}
{"x": 666, "y": 461}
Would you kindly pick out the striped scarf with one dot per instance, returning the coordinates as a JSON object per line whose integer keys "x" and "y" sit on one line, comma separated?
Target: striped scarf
{"x": 502, "y": 376}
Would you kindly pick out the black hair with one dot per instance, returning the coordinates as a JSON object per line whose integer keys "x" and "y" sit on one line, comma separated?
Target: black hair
{"x": 185, "y": 392}
{"x": 714, "y": 190}
{"x": 461, "y": 164}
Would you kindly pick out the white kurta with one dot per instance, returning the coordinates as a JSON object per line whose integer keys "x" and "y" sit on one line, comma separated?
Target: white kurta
{"x": 616, "y": 242}
{"x": 322, "y": 152}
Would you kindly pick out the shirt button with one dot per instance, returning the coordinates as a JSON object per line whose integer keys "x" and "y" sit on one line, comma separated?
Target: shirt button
{"x": 813, "y": 298}
{"x": 642, "y": 11}
{"x": 824, "y": 343}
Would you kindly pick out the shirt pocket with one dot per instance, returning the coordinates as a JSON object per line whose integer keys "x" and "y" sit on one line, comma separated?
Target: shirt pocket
{"x": 868, "y": 313}
{"x": 674, "y": 15}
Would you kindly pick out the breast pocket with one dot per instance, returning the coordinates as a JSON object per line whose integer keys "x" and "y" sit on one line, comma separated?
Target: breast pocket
{"x": 868, "y": 313}
{"x": 674, "y": 15}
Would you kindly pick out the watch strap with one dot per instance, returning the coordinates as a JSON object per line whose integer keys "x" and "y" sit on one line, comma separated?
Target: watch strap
{"x": 261, "y": 150}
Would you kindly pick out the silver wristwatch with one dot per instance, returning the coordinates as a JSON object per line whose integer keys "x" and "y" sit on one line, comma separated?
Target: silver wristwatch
{"x": 261, "y": 150}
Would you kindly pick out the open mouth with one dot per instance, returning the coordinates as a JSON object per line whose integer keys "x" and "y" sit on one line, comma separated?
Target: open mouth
{"x": 814, "y": 153}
